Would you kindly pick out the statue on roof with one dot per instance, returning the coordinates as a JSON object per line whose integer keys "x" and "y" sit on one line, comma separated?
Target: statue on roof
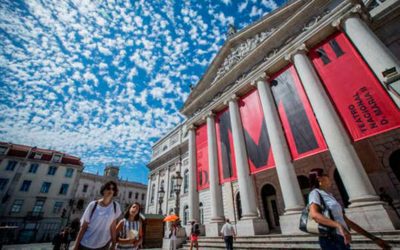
{"x": 231, "y": 30}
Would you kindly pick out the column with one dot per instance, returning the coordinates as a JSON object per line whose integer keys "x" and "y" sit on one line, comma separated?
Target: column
{"x": 217, "y": 209}
{"x": 249, "y": 224}
{"x": 368, "y": 210}
{"x": 193, "y": 194}
{"x": 148, "y": 194}
{"x": 284, "y": 167}
{"x": 374, "y": 52}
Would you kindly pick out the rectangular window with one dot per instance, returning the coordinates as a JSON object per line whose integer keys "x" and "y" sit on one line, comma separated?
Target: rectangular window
{"x": 56, "y": 158}
{"x": 69, "y": 172}
{"x": 25, "y": 186}
{"x": 11, "y": 165}
{"x": 52, "y": 170}
{"x": 37, "y": 156}
{"x": 85, "y": 187}
{"x": 142, "y": 196}
{"x": 171, "y": 188}
{"x": 17, "y": 205}
{"x": 38, "y": 207}
{"x": 57, "y": 207}
{"x": 45, "y": 187}
{"x": 33, "y": 168}
{"x": 136, "y": 195}
{"x": 3, "y": 183}
{"x": 3, "y": 150}
{"x": 130, "y": 195}
{"x": 64, "y": 189}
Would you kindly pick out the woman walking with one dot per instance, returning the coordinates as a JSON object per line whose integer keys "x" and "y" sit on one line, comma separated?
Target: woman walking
{"x": 98, "y": 223}
{"x": 318, "y": 197}
{"x": 172, "y": 235}
{"x": 129, "y": 229}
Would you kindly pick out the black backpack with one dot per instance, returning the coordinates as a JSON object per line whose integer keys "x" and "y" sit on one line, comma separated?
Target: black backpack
{"x": 95, "y": 206}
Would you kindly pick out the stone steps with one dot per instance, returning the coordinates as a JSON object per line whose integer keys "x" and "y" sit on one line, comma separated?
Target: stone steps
{"x": 293, "y": 242}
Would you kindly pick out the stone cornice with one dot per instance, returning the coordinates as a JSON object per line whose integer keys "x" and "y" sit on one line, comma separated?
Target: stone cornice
{"x": 310, "y": 37}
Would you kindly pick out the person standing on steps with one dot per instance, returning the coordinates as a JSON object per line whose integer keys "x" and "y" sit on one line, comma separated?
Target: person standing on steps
{"x": 98, "y": 222}
{"x": 340, "y": 239}
{"x": 194, "y": 235}
{"x": 228, "y": 234}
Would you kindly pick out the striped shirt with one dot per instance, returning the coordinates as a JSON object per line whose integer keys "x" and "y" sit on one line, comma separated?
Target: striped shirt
{"x": 126, "y": 227}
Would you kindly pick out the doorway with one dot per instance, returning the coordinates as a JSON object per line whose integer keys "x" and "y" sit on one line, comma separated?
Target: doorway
{"x": 269, "y": 200}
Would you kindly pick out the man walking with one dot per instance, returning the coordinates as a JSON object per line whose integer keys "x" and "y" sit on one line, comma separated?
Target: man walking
{"x": 228, "y": 234}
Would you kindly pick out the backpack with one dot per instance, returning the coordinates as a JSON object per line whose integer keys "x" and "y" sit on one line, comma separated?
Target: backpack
{"x": 95, "y": 206}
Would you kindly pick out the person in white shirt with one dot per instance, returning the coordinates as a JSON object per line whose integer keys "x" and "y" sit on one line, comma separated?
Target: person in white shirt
{"x": 98, "y": 223}
{"x": 228, "y": 234}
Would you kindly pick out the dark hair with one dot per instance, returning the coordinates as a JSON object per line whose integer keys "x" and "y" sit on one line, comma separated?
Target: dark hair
{"x": 313, "y": 176}
{"x": 137, "y": 216}
{"x": 107, "y": 185}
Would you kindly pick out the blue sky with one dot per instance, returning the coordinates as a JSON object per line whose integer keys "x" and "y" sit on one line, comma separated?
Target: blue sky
{"x": 104, "y": 80}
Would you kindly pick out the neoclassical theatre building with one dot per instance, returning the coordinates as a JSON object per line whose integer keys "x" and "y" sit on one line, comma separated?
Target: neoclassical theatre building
{"x": 308, "y": 86}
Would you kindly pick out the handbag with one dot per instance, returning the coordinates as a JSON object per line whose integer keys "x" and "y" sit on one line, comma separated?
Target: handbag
{"x": 308, "y": 225}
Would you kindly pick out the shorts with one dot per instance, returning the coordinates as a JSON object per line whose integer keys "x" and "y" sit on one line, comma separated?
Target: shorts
{"x": 194, "y": 237}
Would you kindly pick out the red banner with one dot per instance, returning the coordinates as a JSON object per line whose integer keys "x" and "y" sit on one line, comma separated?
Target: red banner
{"x": 300, "y": 126}
{"x": 202, "y": 157}
{"x": 258, "y": 146}
{"x": 362, "y": 103}
{"x": 226, "y": 153}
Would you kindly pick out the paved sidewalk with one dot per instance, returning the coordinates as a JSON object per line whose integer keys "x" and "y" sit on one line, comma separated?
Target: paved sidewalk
{"x": 40, "y": 246}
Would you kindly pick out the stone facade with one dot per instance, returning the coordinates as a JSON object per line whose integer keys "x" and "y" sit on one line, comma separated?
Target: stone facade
{"x": 37, "y": 186}
{"x": 271, "y": 200}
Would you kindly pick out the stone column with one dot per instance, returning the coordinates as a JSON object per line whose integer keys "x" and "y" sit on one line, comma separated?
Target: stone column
{"x": 250, "y": 224}
{"x": 291, "y": 192}
{"x": 374, "y": 52}
{"x": 149, "y": 183}
{"x": 369, "y": 211}
{"x": 193, "y": 194}
{"x": 217, "y": 209}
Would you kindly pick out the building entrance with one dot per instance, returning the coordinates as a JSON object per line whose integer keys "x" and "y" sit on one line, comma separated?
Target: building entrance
{"x": 269, "y": 200}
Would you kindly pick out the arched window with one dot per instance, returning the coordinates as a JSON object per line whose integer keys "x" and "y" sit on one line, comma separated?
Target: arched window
{"x": 186, "y": 181}
{"x": 201, "y": 211}
{"x": 171, "y": 211}
{"x": 153, "y": 189}
{"x": 185, "y": 215}
{"x": 238, "y": 206}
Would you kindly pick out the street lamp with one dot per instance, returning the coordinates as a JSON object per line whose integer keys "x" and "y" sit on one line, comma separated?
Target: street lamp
{"x": 178, "y": 182}
{"x": 161, "y": 194}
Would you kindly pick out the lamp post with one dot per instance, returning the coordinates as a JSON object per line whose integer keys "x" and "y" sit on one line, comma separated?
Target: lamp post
{"x": 161, "y": 194}
{"x": 178, "y": 182}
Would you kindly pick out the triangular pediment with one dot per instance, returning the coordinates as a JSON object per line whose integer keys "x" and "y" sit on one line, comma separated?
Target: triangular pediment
{"x": 239, "y": 45}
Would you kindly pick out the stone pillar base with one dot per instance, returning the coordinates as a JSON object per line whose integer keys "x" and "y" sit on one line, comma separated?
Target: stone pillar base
{"x": 376, "y": 217}
{"x": 213, "y": 229}
{"x": 252, "y": 227}
{"x": 188, "y": 229}
{"x": 290, "y": 223}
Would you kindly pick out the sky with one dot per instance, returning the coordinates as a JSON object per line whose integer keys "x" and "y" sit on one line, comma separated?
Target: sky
{"x": 104, "y": 80}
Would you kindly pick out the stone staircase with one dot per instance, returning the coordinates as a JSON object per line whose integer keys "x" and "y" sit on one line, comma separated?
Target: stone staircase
{"x": 278, "y": 241}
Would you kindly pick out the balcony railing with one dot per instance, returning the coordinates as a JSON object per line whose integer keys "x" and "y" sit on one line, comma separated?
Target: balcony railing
{"x": 34, "y": 215}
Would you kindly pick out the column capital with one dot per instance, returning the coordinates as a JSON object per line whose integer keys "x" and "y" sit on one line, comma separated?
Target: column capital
{"x": 191, "y": 127}
{"x": 209, "y": 114}
{"x": 356, "y": 11}
{"x": 301, "y": 49}
{"x": 262, "y": 77}
{"x": 233, "y": 97}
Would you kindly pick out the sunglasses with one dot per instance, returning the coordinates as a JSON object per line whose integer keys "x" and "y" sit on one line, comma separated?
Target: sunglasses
{"x": 110, "y": 188}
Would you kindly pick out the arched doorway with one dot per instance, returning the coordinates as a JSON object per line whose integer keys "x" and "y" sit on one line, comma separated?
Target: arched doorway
{"x": 238, "y": 206}
{"x": 268, "y": 197}
{"x": 304, "y": 187}
{"x": 394, "y": 162}
{"x": 342, "y": 189}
